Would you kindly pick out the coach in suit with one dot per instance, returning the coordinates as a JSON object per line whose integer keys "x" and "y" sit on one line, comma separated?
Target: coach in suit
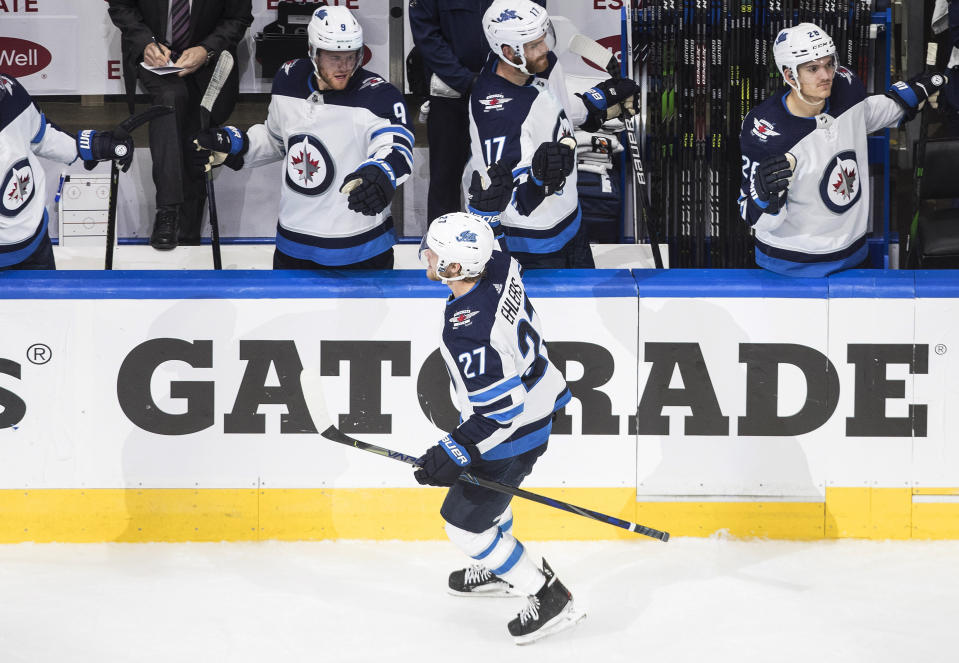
{"x": 190, "y": 34}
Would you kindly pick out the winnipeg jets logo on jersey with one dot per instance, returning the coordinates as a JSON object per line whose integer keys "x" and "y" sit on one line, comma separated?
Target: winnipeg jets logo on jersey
{"x": 6, "y": 85}
{"x": 463, "y": 318}
{"x": 309, "y": 168}
{"x": 287, "y": 66}
{"x": 371, "y": 82}
{"x": 840, "y": 186}
{"x": 763, "y": 129}
{"x": 17, "y": 188}
{"x": 494, "y": 102}
{"x": 845, "y": 73}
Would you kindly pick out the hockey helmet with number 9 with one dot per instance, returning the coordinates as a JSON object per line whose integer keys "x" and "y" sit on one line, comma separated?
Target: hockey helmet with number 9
{"x": 334, "y": 29}
{"x": 798, "y": 45}
{"x": 461, "y": 238}
{"x": 514, "y": 23}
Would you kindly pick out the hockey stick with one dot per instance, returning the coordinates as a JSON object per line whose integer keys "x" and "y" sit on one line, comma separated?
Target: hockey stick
{"x": 121, "y": 133}
{"x": 312, "y": 386}
{"x": 932, "y": 50}
{"x": 224, "y": 64}
{"x": 586, "y": 48}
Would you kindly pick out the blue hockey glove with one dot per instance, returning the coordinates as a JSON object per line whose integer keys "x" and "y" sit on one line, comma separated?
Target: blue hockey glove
{"x": 913, "y": 94}
{"x": 770, "y": 182}
{"x": 495, "y": 198}
{"x": 219, "y": 146}
{"x": 614, "y": 97}
{"x": 370, "y": 187}
{"x": 94, "y": 146}
{"x": 552, "y": 163}
{"x": 442, "y": 463}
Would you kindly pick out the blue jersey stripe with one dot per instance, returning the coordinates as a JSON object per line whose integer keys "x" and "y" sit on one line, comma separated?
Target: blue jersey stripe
{"x": 498, "y": 390}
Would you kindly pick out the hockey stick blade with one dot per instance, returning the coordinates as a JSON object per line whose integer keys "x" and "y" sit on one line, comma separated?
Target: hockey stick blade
{"x": 224, "y": 65}
{"x": 125, "y": 128}
{"x": 591, "y": 50}
{"x": 312, "y": 384}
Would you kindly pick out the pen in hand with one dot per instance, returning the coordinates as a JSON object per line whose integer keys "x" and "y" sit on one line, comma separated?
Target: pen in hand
{"x": 156, "y": 54}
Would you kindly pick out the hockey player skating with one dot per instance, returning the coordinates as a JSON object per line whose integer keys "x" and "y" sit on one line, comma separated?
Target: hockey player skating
{"x": 508, "y": 391}
{"x": 805, "y": 173}
{"x": 25, "y": 134}
{"x": 347, "y": 144}
{"x": 520, "y": 114}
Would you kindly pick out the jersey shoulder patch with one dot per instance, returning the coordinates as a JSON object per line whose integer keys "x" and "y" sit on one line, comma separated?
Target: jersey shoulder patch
{"x": 14, "y": 99}
{"x": 292, "y": 79}
{"x": 494, "y": 98}
{"x": 847, "y": 91}
{"x": 371, "y": 91}
{"x": 770, "y": 128}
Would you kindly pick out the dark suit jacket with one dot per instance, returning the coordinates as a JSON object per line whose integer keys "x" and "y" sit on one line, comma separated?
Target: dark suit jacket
{"x": 217, "y": 25}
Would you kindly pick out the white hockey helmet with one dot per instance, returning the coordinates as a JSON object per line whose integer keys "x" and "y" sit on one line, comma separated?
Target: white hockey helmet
{"x": 514, "y": 23}
{"x": 334, "y": 29}
{"x": 462, "y": 238}
{"x": 799, "y": 44}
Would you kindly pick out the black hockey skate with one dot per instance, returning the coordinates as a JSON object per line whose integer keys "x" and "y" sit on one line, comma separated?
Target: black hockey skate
{"x": 549, "y": 611}
{"x": 477, "y": 580}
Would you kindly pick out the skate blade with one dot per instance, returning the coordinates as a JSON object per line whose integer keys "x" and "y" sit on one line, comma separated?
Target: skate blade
{"x": 561, "y": 622}
{"x": 491, "y": 593}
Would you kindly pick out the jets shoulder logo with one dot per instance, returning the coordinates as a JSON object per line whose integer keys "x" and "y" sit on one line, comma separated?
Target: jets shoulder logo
{"x": 494, "y": 102}
{"x": 763, "y": 129}
{"x": 17, "y": 188}
{"x": 841, "y": 186}
{"x": 463, "y": 318}
{"x": 309, "y": 168}
{"x": 6, "y": 85}
{"x": 372, "y": 81}
{"x": 287, "y": 66}
{"x": 845, "y": 73}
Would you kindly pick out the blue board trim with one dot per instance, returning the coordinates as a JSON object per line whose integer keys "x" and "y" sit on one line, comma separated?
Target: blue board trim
{"x": 400, "y": 284}
{"x": 937, "y": 284}
{"x": 873, "y": 284}
{"x": 727, "y": 283}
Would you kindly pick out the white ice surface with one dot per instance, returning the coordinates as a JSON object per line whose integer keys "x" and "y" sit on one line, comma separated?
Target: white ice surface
{"x": 697, "y": 600}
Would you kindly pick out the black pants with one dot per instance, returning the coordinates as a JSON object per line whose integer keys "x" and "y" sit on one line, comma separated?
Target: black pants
{"x": 448, "y": 132}
{"x": 473, "y": 507}
{"x": 42, "y": 258}
{"x": 283, "y": 261}
{"x": 171, "y": 136}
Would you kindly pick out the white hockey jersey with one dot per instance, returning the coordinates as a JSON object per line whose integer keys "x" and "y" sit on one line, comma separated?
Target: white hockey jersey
{"x": 324, "y": 136}
{"x": 25, "y": 134}
{"x": 822, "y": 226}
{"x": 496, "y": 355}
{"x": 507, "y": 123}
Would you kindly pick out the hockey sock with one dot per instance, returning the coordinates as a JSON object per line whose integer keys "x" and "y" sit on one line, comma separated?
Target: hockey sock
{"x": 502, "y": 554}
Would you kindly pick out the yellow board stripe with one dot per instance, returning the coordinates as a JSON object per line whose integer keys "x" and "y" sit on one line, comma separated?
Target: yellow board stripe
{"x": 172, "y": 515}
{"x": 935, "y": 491}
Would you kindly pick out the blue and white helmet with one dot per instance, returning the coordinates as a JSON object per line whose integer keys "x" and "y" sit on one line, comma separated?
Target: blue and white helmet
{"x": 514, "y": 23}
{"x": 461, "y": 238}
{"x": 334, "y": 29}
{"x": 798, "y": 45}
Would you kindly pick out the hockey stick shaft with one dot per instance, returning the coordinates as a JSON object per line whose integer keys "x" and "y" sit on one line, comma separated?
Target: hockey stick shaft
{"x": 120, "y": 133}
{"x": 224, "y": 64}
{"x": 313, "y": 392}
{"x": 597, "y": 54}
{"x": 932, "y": 50}
{"x": 334, "y": 434}
{"x": 112, "y": 214}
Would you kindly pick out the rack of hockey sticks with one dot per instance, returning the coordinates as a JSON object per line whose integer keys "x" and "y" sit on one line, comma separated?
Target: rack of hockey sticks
{"x": 707, "y": 64}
